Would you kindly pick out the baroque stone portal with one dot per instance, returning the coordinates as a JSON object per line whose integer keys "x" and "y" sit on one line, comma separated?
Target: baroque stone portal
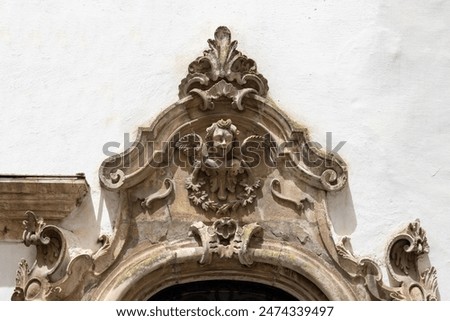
{"x": 221, "y": 186}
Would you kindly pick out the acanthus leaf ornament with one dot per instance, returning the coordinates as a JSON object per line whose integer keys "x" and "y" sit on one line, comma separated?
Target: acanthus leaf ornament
{"x": 428, "y": 280}
{"x": 225, "y": 66}
{"x": 22, "y": 277}
{"x": 32, "y": 235}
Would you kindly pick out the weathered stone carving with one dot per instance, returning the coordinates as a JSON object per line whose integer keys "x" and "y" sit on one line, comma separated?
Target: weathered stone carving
{"x": 225, "y": 237}
{"x": 409, "y": 279}
{"x": 22, "y": 277}
{"x": 300, "y": 201}
{"x": 56, "y": 274}
{"x": 220, "y": 180}
{"x": 405, "y": 249}
{"x": 222, "y": 84}
{"x": 48, "y": 239}
{"x": 191, "y": 154}
{"x": 146, "y": 203}
{"x": 223, "y": 61}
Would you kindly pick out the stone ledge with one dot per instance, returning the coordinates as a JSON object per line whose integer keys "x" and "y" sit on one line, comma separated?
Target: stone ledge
{"x": 51, "y": 197}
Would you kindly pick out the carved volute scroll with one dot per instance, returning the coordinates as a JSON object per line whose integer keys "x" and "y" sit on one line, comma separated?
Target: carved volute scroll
{"x": 51, "y": 276}
{"x": 417, "y": 280}
{"x": 221, "y": 185}
{"x": 409, "y": 279}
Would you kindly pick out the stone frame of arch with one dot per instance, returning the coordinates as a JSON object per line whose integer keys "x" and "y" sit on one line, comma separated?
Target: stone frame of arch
{"x": 221, "y": 185}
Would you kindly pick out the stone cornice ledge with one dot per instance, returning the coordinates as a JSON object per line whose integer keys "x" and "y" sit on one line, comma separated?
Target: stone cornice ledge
{"x": 51, "y": 197}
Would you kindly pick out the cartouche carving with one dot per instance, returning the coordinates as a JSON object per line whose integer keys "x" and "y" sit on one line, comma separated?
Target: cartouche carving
{"x": 220, "y": 179}
{"x": 225, "y": 237}
{"x": 225, "y": 82}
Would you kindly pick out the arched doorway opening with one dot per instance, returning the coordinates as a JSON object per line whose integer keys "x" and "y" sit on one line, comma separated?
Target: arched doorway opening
{"x": 148, "y": 272}
{"x": 222, "y": 290}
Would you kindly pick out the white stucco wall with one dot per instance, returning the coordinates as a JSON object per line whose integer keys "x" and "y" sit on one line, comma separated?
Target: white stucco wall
{"x": 77, "y": 74}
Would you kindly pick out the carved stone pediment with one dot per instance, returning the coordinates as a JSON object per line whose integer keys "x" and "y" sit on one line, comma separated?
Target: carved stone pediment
{"x": 222, "y": 185}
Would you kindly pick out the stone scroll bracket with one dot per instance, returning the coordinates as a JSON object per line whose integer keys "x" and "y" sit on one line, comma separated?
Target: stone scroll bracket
{"x": 408, "y": 265}
{"x": 300, "y": 200}
{"x": 410, "y": 279}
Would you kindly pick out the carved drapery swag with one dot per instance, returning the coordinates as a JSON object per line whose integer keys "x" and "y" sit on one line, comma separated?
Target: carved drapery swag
{"x": 221, "y": 175}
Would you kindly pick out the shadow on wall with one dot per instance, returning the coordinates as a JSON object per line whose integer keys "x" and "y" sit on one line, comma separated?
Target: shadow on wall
{"x": 341, "y": 211}
{"x": 14, "y": 252}
{"x": 109, "y": 201}
{"x": 84, "y": 224}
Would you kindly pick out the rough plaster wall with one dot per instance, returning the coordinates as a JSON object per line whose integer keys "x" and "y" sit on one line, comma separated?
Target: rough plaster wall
{"x": 77, "y": 74}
